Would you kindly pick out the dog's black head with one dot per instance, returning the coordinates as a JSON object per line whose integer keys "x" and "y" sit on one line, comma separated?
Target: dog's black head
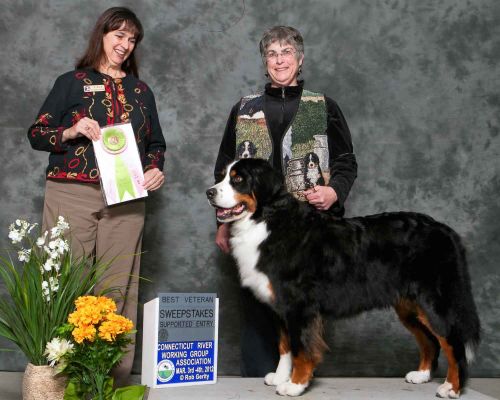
{"x": 248, "y": 185}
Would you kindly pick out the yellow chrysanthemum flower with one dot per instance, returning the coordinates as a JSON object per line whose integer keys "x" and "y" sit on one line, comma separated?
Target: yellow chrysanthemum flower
{"x": 113, "y": 326}
{"x": 84, "y": 301}
{"x": 85, "y": 316}
{"x": 106, "y": 304}
{"x": 94, "y": 313}
{"x": 84, "y": 332}
{"x": 91, "y": 310}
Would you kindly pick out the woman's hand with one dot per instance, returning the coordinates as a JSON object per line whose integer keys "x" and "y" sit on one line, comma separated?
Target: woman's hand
{"x": 153, "y": 179}
{"x": 222, "y": 238}
{"x": 85, "y": 127}
{"x": 321, "y": 197}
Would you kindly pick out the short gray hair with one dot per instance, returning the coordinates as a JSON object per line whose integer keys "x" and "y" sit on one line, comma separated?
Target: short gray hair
{"x": 282, "y": 34}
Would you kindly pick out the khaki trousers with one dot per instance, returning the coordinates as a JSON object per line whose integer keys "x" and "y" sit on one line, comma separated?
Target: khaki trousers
{"x": 113, "y": 232}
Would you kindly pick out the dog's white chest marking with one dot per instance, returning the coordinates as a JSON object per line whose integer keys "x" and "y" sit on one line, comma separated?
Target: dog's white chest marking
{"x": 313, "y": 175}
{"x": 246, "y": 238}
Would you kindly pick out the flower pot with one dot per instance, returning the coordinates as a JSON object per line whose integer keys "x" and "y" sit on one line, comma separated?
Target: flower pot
{"x": 41, "y": 383}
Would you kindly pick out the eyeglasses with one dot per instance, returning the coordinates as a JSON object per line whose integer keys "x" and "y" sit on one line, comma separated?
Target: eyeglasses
{"x": 286, "y": 53}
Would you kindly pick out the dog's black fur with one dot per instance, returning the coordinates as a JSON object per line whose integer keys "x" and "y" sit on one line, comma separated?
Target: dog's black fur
{"x": 320, "y": 267}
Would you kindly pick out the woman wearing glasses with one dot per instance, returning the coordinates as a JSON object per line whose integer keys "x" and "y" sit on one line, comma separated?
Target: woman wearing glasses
{"x": 304, "y": 135}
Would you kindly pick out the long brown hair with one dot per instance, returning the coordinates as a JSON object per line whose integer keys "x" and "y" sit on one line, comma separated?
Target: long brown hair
{"x": 111, "y": 20}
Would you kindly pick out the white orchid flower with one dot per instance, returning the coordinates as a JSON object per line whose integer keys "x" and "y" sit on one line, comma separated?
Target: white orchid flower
{"x": 24, "y": 255}
{"x": 41, "y": 240}
{"x": 56, "y": 349}
{"x": 48, "y": 265}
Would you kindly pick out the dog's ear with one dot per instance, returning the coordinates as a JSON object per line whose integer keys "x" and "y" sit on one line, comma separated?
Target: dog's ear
{"x": 267, "y": 183}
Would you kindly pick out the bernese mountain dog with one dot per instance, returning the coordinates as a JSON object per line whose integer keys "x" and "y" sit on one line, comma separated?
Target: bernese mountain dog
{"x": 308, "y": 265}
{"x": 312, "y": 170}
{"x": 246, "y": 149}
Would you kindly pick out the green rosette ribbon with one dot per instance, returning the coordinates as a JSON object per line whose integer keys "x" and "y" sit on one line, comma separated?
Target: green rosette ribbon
{"x": 115, "y": 142}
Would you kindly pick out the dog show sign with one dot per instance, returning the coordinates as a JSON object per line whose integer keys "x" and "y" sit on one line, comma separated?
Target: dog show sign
{"x": 179, "y": 342}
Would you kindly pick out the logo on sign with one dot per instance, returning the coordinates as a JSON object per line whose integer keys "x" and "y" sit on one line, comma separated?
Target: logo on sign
{"x": 162, "y": 335}
{"x": 165, "y": 371}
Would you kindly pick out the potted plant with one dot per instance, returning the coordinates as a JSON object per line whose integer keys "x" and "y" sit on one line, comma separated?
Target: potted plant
{"x": 41, "y": 285}
{"x": 88, "y": 346}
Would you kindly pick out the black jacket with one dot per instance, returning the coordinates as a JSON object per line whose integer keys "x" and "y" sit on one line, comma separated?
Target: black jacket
{"x": 280, "y": 107}
{"x": 89, "y": 93}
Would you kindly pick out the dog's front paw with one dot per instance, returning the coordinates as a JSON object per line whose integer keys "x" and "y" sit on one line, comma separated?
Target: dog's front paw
{"x": 291, "y": 389}
{"x": 269, "y": 379}
{"x": 418, "y": 376}
{"x": 275, "y": 378}
{"x": 446, "y": 391}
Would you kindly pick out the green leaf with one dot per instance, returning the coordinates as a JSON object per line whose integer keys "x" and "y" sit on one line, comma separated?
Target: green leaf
{"x": 134, "y": 392}
{"x": 73, "y": 391}
{"x": 26, "y": 318}
{"x": 106, "y": 391}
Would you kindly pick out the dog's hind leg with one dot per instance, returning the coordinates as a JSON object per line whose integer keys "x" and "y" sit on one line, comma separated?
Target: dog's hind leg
{"x": 427, "y": 342}
{"x": 307, "y": 347}
{"x": 457, "y": 366}
{"x": 284, "y": 369}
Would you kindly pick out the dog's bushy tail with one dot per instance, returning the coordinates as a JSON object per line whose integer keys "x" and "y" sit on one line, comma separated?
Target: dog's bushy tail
{"x": 465, "y": 333}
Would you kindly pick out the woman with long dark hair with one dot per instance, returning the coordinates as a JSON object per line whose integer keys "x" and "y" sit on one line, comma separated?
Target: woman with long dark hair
{"x": 104, "y": 89}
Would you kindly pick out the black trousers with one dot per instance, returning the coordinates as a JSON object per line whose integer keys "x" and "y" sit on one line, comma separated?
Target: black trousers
{"x": 259, "y": 337}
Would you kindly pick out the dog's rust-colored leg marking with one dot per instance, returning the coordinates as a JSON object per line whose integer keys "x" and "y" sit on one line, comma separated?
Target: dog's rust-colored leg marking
{"x": 406, "y": 310}
{"x": 452, "y": 375}
{"x": 316, "y": 345}
{"x": 311, "y": 355}
{"x": 303, "y": 368}
{"x": 284, "y": 345}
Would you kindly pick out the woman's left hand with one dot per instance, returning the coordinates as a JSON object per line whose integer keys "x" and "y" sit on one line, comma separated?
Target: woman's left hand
{"x": 321, "y": 197}
{"x": 153, "y": 179}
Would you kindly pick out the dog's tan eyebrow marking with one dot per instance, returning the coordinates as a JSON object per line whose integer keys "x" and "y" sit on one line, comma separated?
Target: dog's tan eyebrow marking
{"x": 232, "y": 174}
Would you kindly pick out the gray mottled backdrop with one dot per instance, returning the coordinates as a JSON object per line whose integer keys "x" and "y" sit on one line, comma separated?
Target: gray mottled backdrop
{"x": 417, "y": 80}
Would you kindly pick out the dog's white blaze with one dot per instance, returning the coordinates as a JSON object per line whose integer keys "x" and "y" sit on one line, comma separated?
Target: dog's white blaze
{"x": 247, "y": 235}
{"x": 283, "y": 371}
{"x": 225, "y": 196}
{"x": 418, "y": 376}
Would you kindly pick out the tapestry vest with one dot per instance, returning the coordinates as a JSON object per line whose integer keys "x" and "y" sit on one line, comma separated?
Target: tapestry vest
{"x": 304, "y": 146}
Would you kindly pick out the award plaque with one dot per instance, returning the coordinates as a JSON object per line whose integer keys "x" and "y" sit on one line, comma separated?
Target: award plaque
{"x": 179, "y": 342}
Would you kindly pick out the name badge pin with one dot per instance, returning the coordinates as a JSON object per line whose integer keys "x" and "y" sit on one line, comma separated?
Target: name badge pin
{"x": 93, "y": 88}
